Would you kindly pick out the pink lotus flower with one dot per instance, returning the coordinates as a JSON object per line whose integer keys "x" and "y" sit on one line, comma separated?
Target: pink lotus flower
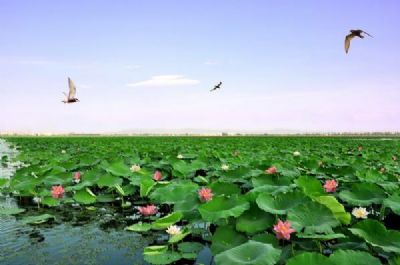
{"x": 382, "y": 170}
{"x": 271, "y": 170}
{"x": 157, "y": 176}
{"x": 330, "y": 185}
{"x": 205, "y": 194}
{"x": 77, "y": 177}
{"x": 360, "y": 148}
{"x": 148, "y": 210}
{"x": 394, "y": 158}
{"x": 57, "y": 191}
{"x": 283, "y": 230}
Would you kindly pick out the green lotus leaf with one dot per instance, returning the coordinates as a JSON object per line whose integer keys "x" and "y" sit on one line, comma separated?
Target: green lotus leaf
{"x": 109, "y": 180}
{"x": 154, "y": 250}
{"x": 50, "y": 201}
{"x": 309, "y": 258}
{"x": 266, "y": 238}
{"x": 224, "y": 188}
{"x": 139, "y": 227}
{"x": 252, "y": 253}
{"x": 223, "y": 207}
{"x": 311, "y": 187}
{"x": 313, "y": 217}
{"x": 188, "y": 207}
{"x": 322, "y": 237}
{"x": 24, "y": 185}
{"x": 84, "y": 197}
{"x": 174, "y": 192}
{"x": 351, "y": 257}
{"x": 363, "y": 194}
{"x": 376, "y": 234}
{"x": 373, "y": 176}
{"x": 118, "y": 169}
{"x": 271, "y": 184}
{"x": 38, "y": 219}
{"x": 225, "y": 237}
{"x": 146, "y": 185}
{"x": 336, "y": 207}
{"x": 254, "y": 220}
{"x": 105, "y": 198}
{"x": 190, "y": 247}
{"x": 183, "y": 169}
{"x": 167, "y": 257}
{"x": 11, "y": 211}
{"x": 166, "y": 221}
{"x": 393, "y": 202}
{"x": 3, "y": 182}
{"x": 179, "y": 237}
{"x": 281, "y": 203}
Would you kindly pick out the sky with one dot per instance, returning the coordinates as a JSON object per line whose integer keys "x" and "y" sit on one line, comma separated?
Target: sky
{"x": 150, "y": 65}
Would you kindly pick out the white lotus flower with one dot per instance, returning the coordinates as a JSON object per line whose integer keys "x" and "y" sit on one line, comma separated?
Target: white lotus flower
{"x": 135, "y": 168}
{"x": 224, "y": 167}
{"x": 179, "y": 156}
{"x": 296, "y": 153}
{"x": 63, "y": 151}
{"x": 37, "y": 200}
{"x": 360, "y": 212}
{"x": 174, "y": 230}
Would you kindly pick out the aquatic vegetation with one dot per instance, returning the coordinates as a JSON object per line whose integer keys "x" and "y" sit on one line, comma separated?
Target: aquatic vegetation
{"x": 283, "y": 230}
{"x": 251, "y": 200}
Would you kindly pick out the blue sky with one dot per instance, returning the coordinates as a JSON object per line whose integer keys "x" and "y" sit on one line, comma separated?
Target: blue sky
{"x": 282, "y": 65}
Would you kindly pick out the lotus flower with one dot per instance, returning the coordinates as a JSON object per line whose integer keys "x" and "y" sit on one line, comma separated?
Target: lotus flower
{"x": 394, "y": 158}
{"x": 271, "y": 170}
{"x": 135, "y": 168}
{"x": 224, "y": 167}
{"x": 179, "y": 156}
{"x": 77, "y": 177}
{"x": 205, "y": 194}
{"x": 382, "y": 170}
{"x": 174, "y": 230}
{"x": 360, "y": 213}
{"x": 236, "y": 153}
{"x": 360, "y": 148}
{"x": 57, "y": 191}
{"x": 283, "y": 230}
{"x": 148, "y": 210}
{"x": 330, "y": 185}
{"x": 37, "y": 200}
{"x": 157, "y": 175}
{"x": 296, "y": 153}
{"x": 63, "y": 151}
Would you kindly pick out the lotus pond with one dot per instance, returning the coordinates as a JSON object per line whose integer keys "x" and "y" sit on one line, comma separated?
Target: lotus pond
{"x": 200, "y": 200}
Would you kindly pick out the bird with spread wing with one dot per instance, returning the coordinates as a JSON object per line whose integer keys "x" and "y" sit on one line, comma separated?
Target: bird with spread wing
{"x": 349, "y": 37}
{"x": 216, "y": 87}
{"x": 70, "y": 98}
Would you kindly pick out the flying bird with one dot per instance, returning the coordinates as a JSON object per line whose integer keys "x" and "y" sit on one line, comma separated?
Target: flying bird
{"x": 349, "y": 37}
{"x": 216, "y": 87}
{"x": 70, "y": 98}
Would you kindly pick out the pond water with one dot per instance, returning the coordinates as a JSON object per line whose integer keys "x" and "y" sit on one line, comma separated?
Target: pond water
{"x": 77, "y": 236}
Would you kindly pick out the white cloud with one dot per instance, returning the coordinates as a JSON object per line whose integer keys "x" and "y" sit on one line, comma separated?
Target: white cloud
{"x": 166, "y": 80}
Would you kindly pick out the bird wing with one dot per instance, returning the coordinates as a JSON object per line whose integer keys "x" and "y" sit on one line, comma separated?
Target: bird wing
{"x": 367, "y": 33}
{"x": 347, "y": 42}
{"x": 72, "y": 89}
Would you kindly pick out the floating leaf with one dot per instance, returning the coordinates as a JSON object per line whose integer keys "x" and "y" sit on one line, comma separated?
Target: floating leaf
{"x": 38, "y": 219}
{"x": 224, "y": 238}
{"x": 313, "y": 217}
{"x": 254, "y": 220}
{"x": 336, "y": 207}
{"x": 363, "y": 194}
{"x": 11, "y": 211}
{"x": 84, "y": 197}
{"x": 351, "y": 257}
{"x": 252, "y": 253}
{"x": 281, "y": 203}
{"x": 376, "y": 234}
{"x": 166, "y": 221}
{"x": 139, "y": 227}
{"x": 309, "y": 259}
{"x": 222, "y": 207}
